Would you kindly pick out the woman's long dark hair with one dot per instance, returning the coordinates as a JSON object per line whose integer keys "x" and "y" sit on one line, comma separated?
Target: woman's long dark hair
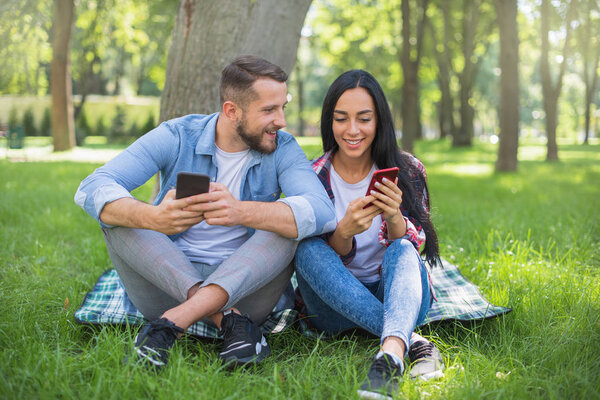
{"x": 384, "y": 150}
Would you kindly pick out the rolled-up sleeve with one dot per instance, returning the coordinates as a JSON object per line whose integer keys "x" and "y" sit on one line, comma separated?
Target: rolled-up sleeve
{"x": 313, "y": 211}
{"x": 130, "y": 169}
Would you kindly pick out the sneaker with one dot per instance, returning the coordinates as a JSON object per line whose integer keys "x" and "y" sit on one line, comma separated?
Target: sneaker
{"x": 426, "y": 361}
{"x": 244, "y": 342}
{"x": 383, "y": 379}
{"x": 155, "y": 340}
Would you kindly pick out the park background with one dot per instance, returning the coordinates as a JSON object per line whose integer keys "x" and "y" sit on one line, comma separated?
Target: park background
{"x": 529, "y": 238}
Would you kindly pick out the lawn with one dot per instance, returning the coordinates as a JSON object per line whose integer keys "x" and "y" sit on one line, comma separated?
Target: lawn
{"x": 530, "y": 240}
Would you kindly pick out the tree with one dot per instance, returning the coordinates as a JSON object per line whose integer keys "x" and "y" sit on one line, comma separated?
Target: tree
{"x": 209, "y": 34}
{"x": 63, "y": 131}
{"x": 588, "y": 38}
{"x": 410, "y": 57}
{"x": 551, "y": 90}
{"x": 443, "y": 58}
{"x": 472, "y": 11}
{"x": 509, "y": 85}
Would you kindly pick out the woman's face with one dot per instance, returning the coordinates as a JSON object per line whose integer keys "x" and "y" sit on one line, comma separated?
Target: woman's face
{"x": 354, "y": 123}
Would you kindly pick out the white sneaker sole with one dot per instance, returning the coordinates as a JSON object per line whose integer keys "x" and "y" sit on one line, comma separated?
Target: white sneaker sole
{"x": 365, "y": 394}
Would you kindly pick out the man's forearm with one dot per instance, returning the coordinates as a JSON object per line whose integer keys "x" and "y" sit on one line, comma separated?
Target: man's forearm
{"x": 127, "y": 212}
{"x": 275, "y": 217}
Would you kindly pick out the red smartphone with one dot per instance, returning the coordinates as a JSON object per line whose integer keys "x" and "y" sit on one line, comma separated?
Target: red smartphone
{"x": 190, "y": 184}
{"x": 389, "y": 173}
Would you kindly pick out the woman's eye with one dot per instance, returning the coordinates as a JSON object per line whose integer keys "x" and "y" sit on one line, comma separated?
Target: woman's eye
{"x": 339, "y": 119}
{"x": 365, "y": 120}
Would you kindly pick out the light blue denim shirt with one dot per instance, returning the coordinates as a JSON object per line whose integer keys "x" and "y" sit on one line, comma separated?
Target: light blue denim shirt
{"x": 188, "y": 144}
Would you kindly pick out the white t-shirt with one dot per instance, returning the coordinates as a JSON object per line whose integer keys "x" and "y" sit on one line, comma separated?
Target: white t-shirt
{"x": 369, "y": 252}
{"x": 212, "y": 244}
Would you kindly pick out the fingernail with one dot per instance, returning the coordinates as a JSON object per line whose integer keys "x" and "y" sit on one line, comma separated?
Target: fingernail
{"x": 377, "y": 184}
{"x": 373, "y": 192}
{"x": 384, "y": 180}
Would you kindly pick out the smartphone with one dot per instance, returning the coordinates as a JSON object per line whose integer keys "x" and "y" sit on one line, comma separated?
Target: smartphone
{"x": 190, "y": 184}
{"x": 389, "y": 173}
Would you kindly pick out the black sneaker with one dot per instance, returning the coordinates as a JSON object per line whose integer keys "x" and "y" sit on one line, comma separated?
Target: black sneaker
{"x": 155, "y": 340}
{"x": 244, "y": 342}
{"x": 426, "y": 361}
{"x": 384, "y": 378}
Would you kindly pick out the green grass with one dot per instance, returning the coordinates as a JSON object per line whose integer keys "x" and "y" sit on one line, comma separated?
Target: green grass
{"x": 530, "y": 240}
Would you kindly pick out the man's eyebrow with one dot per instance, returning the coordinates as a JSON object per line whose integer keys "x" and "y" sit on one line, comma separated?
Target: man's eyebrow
{"x": 268, "y": 106}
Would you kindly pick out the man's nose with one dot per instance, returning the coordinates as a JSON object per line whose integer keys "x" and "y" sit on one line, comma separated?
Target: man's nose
{"x": 280, "y": 119}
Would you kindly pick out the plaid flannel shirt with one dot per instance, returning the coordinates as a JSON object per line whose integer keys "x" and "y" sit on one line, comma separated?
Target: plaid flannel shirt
{"x": 414, "y": 231}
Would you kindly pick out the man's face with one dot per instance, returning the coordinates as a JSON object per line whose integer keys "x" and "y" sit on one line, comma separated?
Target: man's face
{"x": 263, "y": 116}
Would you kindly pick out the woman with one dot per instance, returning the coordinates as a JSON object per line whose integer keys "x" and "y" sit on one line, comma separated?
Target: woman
{"x": 368, "y": 273}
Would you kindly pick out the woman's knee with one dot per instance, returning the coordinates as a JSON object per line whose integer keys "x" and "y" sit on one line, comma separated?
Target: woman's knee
{"x": 305, "y": 253}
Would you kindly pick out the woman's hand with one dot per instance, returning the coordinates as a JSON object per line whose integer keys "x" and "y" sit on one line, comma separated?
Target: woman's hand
{"x": 388, "y": 198}
{"x": 358, "y": 219}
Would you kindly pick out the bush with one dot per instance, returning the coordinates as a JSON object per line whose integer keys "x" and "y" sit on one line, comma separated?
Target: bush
{"x": 13, "y": 117}
{"x": 29, "y": 128}
{"x": 134, "y": 131}
{"x": 148, "y": 125}
{"x": 101, "y": 129}
{"x": 46, "y": 124}
{"x": 118, "y": 132}
{"x": 82, "y": 128}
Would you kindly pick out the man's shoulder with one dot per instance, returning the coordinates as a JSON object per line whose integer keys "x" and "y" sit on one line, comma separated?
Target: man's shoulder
{"x": 191, "y": 122}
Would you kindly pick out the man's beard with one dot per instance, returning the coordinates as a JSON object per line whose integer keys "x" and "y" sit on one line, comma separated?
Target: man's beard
{"x": 255, "y": 142}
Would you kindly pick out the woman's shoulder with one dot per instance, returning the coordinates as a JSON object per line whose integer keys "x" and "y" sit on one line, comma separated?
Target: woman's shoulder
{"x": 321, "y": 162}
{"x": 415, "y": 163}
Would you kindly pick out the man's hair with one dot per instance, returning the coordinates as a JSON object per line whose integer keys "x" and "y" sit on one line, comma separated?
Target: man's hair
{"x": 237, "y": 78}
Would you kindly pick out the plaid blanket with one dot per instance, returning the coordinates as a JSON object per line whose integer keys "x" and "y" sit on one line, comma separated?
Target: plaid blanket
{"x": 457, "y": 299}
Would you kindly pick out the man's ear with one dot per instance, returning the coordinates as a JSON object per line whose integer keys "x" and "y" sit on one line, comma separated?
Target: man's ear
{"x": 232, "y": 111}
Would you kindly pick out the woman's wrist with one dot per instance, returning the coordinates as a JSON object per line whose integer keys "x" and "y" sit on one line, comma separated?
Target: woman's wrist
{"x": 396, "y": 228}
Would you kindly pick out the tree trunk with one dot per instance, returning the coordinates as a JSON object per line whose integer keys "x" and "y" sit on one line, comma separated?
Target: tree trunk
{"x": 209, "y": 34}
{"x": 411, "y": 123}
{"x": 509, "y": 85}
{"x": 63, "y": 131}
{"x": 550, "y": 90}
{"x": 589, "y": 69}
{"x": 464, "y": 134}
{"x": 300, "y": 99}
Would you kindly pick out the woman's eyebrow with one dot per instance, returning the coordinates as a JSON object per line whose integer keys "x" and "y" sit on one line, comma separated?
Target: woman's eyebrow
{"x": 360, "y": 112}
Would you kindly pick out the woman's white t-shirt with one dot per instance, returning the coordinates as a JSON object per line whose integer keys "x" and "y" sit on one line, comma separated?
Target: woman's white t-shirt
{"x": 369, "y": 252}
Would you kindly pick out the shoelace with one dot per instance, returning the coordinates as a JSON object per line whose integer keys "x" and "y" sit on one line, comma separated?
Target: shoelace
{"x": 419, "y": 350}
{"x": 232, "y": 329}
{"x": 386, "y": 366}
{"x": 164, "y": 332}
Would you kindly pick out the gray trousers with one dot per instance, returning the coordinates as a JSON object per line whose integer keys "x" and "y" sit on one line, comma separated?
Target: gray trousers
{"x": 157, "y": 275}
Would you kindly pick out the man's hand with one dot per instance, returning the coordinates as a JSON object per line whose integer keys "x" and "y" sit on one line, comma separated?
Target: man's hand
{"x": 173, "y": 216}
{"x": 218, "y": 206}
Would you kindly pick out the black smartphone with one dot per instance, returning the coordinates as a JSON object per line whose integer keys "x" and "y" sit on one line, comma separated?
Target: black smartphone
{"x": 190, "y": 184}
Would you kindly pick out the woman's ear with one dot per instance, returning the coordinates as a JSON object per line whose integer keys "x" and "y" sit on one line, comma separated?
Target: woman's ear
{"x": 231, "y": 111}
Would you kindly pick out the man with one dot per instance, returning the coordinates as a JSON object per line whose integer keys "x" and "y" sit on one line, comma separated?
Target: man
{"x": 225, "y": 255}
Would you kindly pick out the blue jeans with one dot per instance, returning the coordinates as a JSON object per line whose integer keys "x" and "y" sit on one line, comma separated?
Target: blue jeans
{"x": 337, "y": 301}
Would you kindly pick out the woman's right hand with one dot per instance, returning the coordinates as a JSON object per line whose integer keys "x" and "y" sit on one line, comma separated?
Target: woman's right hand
{"x": 357, "y": 218}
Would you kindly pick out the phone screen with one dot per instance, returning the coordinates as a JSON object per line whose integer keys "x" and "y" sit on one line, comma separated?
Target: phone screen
{"x": 190, "y": 184}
